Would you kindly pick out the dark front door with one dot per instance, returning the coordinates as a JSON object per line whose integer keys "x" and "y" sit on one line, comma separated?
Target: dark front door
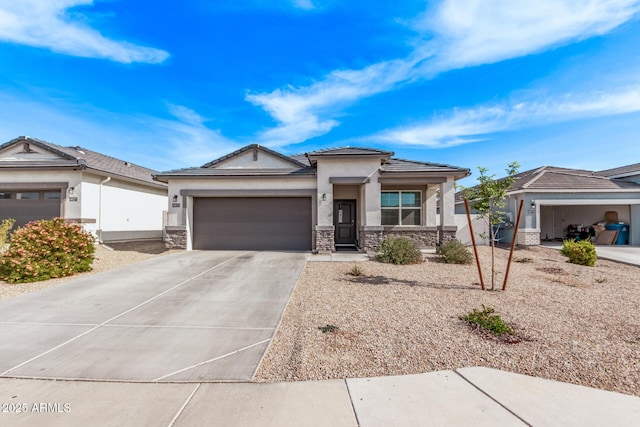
{"x": 344, "y": 218}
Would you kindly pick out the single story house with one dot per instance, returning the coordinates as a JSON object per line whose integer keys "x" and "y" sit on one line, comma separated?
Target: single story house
{"x": 112, "y": 198}
{"x": 556, "y": 199}
{"x": 342, "y": 198}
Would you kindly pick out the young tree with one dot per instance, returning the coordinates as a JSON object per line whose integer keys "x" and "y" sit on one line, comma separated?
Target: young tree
{"x": 488, "y": 198}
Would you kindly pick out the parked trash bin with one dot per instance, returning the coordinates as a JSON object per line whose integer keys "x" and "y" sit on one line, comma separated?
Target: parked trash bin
{"x": 623, "y": 232}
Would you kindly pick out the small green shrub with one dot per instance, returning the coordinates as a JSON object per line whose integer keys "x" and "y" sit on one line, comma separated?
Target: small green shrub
{"x": 582, "y": 252}
{"x": 454, "y": 252}
{"x": 328, "y": 328}
{"x": 486, "y": 319}
{"x": 400, "y": 250}
{"x": 356, "y": 271}
{"x": 46, "y": 249}
{"x": 5, "y": 226}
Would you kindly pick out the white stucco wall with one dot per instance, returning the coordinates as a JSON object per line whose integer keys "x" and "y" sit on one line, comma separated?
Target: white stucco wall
{"x": 346, "y": 167}
{"x": 129, "y": 210}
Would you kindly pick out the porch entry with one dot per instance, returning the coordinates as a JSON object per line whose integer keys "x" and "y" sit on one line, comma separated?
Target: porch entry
{"x": 344, "y": 220}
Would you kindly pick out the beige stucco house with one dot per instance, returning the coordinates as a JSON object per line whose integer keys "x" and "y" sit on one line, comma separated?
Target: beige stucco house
{"x": 343, "y": 198}
{"x": 111, "y": 198}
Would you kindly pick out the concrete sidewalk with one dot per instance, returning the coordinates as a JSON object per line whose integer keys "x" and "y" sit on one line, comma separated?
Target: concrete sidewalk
{"x": 469, "y": 396}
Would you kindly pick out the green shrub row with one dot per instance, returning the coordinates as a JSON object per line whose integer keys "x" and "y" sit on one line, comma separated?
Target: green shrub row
{"x": 400, "y": 250}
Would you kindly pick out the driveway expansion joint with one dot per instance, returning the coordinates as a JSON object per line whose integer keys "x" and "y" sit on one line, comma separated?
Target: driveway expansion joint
{"x": 492, "y": 398}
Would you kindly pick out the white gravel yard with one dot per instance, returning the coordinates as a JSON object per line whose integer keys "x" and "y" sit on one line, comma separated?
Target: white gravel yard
{"x": 122, "y": 254}
{"x": 578, "y": 324}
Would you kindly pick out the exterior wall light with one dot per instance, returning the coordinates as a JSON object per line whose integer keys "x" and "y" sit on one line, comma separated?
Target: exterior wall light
{"x": 533, "y": 204}
{"x": 175, "y": 198}
{"x": 71, "y": 189}
{"x": 324, "y": 196}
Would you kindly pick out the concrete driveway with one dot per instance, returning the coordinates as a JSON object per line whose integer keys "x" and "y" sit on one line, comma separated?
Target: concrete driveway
{"x": 192, "y": 316}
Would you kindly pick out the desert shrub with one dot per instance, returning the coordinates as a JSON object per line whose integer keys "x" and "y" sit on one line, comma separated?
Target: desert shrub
{"x": 582, "y": 252}
{"x": 47, "y": 249}
{"x": 487, "y": 320}
{"x": 328, "y": 328}
{"x": 400, "y": 250}
{"x": 5, "y": 226}
{"x": 454, "y": 252}
{"x": 356, "y": 271}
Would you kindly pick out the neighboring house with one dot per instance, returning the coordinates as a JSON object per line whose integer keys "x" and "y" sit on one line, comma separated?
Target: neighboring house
{"x": 351, "y": 198}
{"x": 555, "y": 198}
{"x": 111, "y": 198}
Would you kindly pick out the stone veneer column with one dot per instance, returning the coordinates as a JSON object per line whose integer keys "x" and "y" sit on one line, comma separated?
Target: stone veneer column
{"x": 371, "y": 237}
{"x": 528, "y": 238}
{"x": 175, "y": 237}
{"x": 325, "y": 238}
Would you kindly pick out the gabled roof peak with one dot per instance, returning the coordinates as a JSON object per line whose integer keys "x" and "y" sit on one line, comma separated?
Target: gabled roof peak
{"x": 249, "y": 147}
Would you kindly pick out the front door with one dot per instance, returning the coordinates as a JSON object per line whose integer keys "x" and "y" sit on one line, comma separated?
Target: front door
{"x": 344, "y": 219}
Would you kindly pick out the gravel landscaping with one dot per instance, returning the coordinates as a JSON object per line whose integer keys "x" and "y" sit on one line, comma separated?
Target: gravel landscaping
{"x": 105, "y": 259}
{"x": 572, "y": 323}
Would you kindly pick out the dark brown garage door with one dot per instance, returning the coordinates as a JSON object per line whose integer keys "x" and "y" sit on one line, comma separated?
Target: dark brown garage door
{"x": 256, "y": 223}
{"x": 29, "y": 205}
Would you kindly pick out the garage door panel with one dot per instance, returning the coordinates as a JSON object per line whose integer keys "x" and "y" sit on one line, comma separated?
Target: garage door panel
{"x": 274, "y": 223}
{"x": 24, "y": 211}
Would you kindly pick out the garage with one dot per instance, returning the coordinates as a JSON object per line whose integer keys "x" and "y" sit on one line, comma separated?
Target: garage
{"x": 29, "y": 205}
{"x": 252, "y": 223}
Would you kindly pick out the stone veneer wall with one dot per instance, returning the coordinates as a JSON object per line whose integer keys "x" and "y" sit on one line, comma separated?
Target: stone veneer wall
{"x": 423, "y": 236}
{"x": 324, "y": 239}
{"x": 175, "y": 237}
{"x": 447, "y": 233}
{"x": 528, "y": 238}
{"x": 371, "y": 238}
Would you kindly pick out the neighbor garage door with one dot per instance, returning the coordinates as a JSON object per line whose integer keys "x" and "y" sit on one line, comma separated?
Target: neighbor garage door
{"x": 29, "y": 205}
{"x": 256, "y": 223}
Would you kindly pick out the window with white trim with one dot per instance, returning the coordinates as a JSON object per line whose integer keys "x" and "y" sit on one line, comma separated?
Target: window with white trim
{"x": 401, "y": 207}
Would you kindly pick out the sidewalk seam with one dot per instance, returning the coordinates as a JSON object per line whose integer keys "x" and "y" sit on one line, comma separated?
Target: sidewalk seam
{"x": 492, "y": 398}
{"x": 184, "y": 405}
{"x": 355, "y": 414}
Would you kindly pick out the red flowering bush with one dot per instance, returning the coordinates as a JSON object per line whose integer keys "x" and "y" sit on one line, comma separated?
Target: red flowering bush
{"x": 46, "y": 249}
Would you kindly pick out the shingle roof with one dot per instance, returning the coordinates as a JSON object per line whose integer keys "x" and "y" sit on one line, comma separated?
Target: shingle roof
{"x": 78, "y": 156}
{"x": 554, "y": 178}
{"x": 401, "y": 165}
{"x": 342, "y": 151}
{"x": 548, "y": 178}
{"x": 621, "y": 171}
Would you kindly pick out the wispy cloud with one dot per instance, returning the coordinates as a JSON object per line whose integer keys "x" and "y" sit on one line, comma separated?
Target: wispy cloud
{"x": 455, "y": 34}
{"x": 47, "y": 24}
{"x": 471, "y": 125}
{"x": 303, "y": 4}
{"x": 473, "y": 32}
{"x": 181, "y": 139}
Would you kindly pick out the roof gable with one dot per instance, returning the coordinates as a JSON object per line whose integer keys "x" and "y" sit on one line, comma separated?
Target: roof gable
{"x": 30, "y": 152}
{"x": 254, "y": 157}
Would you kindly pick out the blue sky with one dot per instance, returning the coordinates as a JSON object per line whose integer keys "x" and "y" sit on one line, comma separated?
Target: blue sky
{"x": 472, "y": 83}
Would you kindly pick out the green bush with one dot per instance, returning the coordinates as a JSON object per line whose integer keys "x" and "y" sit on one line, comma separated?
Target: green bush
{"x": 582, "y": 252}
{"x": 46, "y": 249}
{"x": 400, "y": 250}
{"x": 5, "y": 226}
{"x": 454, "y": 252}
{"x": 486, "y": 319}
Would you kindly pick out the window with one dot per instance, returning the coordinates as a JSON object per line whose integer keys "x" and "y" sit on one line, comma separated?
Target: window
{"x": 5, "y": 195}
{"x": 401, "y": 207}
{"x": 30, "y": 195}
{"x": 49, "y": 195}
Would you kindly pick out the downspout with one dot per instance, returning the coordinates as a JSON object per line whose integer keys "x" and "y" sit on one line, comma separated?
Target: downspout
{"x": 107, "y": 179}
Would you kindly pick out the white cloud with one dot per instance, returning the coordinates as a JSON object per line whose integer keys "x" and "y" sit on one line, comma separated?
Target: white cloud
{"x": 156, "y": 142}
{"x": 46, "y": 24}
{"x": 303, "y": 4}
{"x": 471, "y": 125}
{"x": 462, "y": 33}
{"x": 473, "y": 32}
